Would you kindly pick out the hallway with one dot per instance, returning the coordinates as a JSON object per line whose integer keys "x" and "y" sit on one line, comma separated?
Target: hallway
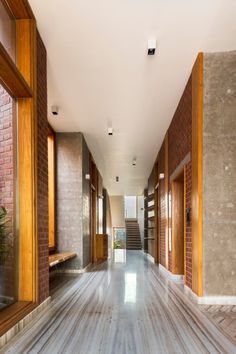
{"x": 123, "y": 306}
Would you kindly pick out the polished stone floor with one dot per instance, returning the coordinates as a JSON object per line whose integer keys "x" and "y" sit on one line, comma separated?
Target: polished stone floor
{"x": 120, "y": 307}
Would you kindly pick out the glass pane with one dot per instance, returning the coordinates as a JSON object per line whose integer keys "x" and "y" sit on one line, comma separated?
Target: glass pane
{"x": 131, "y": 207}
{"x": 119, "y": 238}
{"x": 8, "y": 240}
{"x": 7, "y": 31}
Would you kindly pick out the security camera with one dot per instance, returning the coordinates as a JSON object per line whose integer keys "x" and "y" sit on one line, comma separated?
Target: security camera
{"x": 55, "y": 110}
{"x": 152, "y": 44}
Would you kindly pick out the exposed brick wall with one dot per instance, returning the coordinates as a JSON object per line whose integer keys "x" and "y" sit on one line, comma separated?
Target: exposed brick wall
{"x": 42, "y": 169}
{"x": 180, "y": 144}
{"x": 162, "y": 209}
{"x": 6, "y": 151}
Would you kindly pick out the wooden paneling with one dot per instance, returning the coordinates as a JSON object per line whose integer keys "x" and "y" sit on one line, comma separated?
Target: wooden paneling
{"x": 101, "y": 247}
{"x": 27, "y": 147}
{"x": 197, "y": 119}
{"x": 167, "y": 197}
{"x": 10, "y": 77}
{"x": 20, "y": 9}
{"x": 177, "y": 189}
{"x": 51, "y": 191}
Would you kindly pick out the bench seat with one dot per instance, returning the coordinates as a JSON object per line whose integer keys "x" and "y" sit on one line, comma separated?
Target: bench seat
{"x": 57, "y": 258}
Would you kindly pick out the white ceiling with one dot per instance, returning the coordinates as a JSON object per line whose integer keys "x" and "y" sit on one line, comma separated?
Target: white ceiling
{"x": 99, "y": 72}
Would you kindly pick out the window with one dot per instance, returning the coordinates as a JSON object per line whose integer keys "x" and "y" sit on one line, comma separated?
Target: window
{"x": 7, "y": 32}
{"x": 8, "y": 205}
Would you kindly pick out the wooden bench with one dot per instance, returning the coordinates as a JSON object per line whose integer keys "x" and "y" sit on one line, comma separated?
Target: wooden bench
{"x": 57, "y": 258}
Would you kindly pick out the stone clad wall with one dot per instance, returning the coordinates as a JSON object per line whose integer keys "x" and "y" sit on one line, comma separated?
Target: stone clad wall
{"x": 219, "y": 174}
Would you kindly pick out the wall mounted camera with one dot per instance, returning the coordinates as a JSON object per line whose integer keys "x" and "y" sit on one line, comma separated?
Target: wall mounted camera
{"x": 55, "y": 110}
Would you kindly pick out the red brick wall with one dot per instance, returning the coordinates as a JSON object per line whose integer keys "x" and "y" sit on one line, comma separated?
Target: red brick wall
{"x": 162, "y": 209}
{"x": 180, "y": 144}
{"x": 6, "y": 151}
{"x": 42, "y": 169}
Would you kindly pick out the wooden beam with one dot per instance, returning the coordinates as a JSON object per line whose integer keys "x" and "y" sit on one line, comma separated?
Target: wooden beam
{"x": 197, "y": 121}
{"x": 27, "y": 147}
{"x": 20, "y": 9}
{"x": 11, "y": 78}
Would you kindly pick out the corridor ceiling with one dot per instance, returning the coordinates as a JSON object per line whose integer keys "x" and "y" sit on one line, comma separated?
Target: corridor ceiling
{"x": 99, "y": 73}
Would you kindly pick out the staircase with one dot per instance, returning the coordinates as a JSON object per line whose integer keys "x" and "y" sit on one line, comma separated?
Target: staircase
{"x": 133, "y": 240}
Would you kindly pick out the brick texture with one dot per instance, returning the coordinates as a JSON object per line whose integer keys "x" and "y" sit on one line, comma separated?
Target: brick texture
{"x": 180, "y": 144}
{"x": 42, "y": 133}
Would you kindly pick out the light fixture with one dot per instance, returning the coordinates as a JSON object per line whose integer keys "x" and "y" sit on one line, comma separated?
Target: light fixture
{"x": 161, "y": 176}
{"x": 55, "y": 110}
{"x": 110, "y": 131}
{"x": 152, "y": 44}
{"x": 87, "y": 176}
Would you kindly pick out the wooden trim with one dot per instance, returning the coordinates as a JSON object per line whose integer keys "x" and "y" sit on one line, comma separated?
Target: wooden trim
{"x": 177, "y": 190}
{"x": 27, "y": 147}
{"x": 20, "y": 9}
{"x": 11, "y": 78}
{"x": 167, "y": 200}
{"x": 13, "y": 314}
{"x": 185, "y": 229}
{"x": 51, "y": 192}
{"x": 197, "y": 121}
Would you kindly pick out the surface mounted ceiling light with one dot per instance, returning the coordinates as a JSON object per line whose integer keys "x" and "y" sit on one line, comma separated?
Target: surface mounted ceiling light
{"x": 152, "y": 44}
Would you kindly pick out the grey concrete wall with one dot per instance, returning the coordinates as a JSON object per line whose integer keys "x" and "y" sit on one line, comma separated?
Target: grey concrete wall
{"x": 219, "y": 174}
{"x": 86, "y": 205}
{"x": 69, "y": 196}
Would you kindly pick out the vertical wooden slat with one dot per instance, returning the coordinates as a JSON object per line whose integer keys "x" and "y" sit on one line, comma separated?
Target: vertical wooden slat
{"x": 185, "y": 229}
{"x": 197, "y": 121}
{"x": 166, "y": 200}
{"x": 27, "y": 147}
{"x": 51, "y": 191}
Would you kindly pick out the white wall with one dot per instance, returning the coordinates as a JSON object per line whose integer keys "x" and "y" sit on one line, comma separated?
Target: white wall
{"x": 140, "y": 212}
{"x": 117, "y": 211}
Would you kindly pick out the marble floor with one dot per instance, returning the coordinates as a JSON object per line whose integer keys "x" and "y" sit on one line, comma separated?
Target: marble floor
{"x": 120, "y": 307}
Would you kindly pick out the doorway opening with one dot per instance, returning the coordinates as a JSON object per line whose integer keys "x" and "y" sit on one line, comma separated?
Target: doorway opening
{"x": 130, "y": 207}
{"x": 178, "y": 224}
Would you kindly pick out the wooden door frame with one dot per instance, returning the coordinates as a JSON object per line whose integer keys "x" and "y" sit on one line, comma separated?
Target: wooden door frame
{"x": 51, "y": 190}
{"x": 175, "y": 265}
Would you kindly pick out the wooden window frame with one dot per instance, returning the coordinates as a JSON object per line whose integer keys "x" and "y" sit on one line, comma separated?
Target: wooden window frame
{"x": 51, "y": 191}
{"x": 19, "y": 79}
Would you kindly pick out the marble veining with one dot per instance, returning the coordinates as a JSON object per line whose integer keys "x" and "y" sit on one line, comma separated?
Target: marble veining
{"x": 123, "y": 306}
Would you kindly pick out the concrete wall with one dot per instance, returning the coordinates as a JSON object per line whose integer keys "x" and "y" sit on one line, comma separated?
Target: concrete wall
{"x": 140, "y": 213}
{"x": 117, "y": 211}
{"x": 69, "y": 196}
{"x": 219, "y": 174}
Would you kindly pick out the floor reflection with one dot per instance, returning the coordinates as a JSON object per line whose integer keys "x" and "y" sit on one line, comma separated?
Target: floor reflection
{"x": 119, "y": 256}
{"x": 130, "y": 287}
